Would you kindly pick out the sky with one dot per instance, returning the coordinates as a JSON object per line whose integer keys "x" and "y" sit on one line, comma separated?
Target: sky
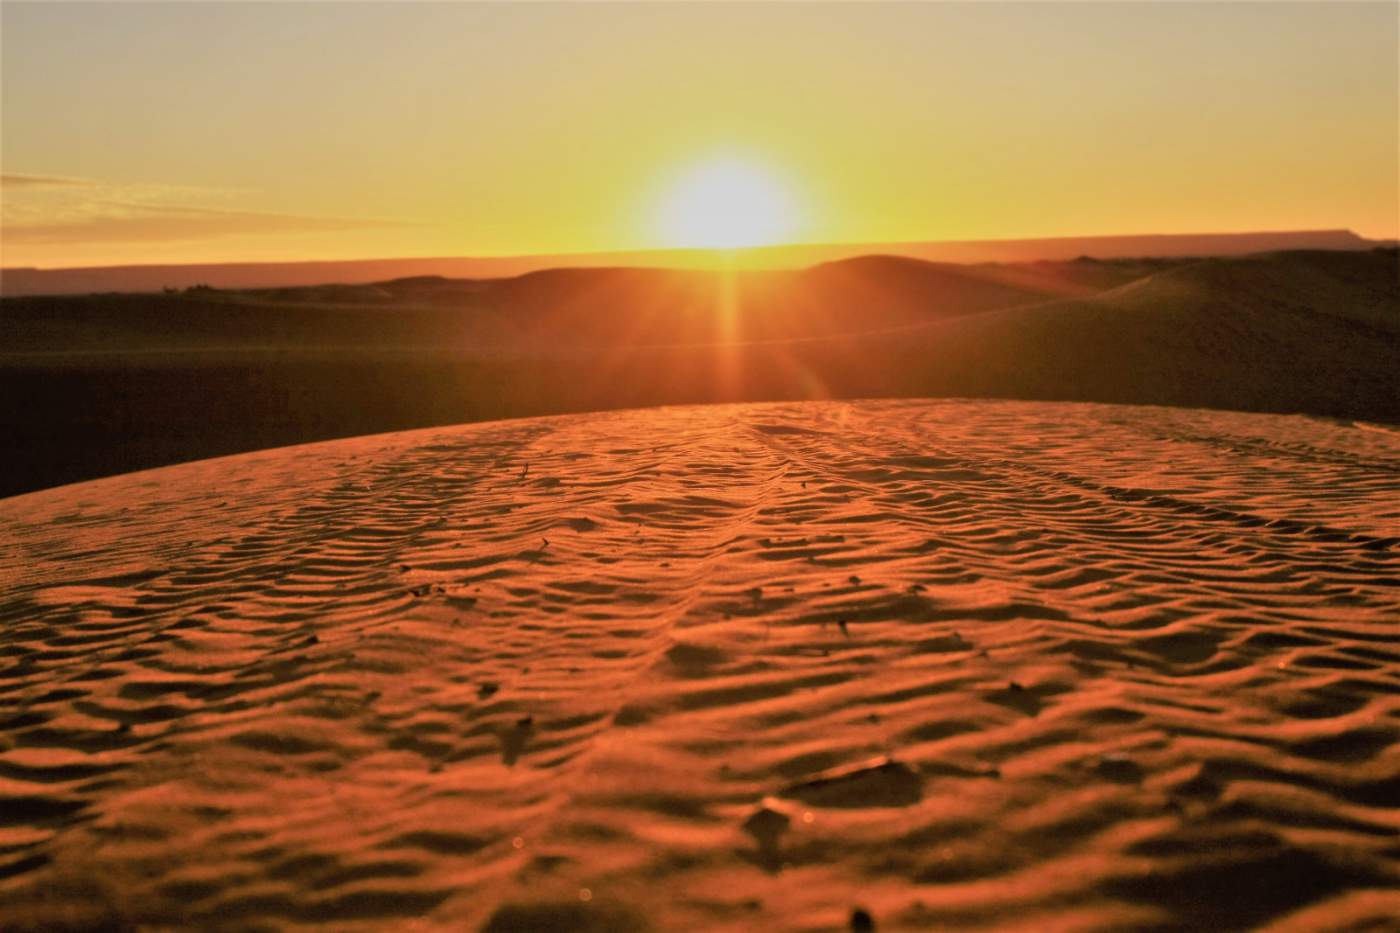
{"x": 205, "y": 132}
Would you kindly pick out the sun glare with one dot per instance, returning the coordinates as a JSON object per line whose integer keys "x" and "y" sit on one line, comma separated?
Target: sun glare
{"x": 726, "y": 204}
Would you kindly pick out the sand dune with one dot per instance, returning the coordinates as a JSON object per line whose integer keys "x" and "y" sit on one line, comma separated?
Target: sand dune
{"x": 1298, "y": 332}
{"x": 956, "y": 664}
{"x": 106, "y": 384}
{"x": 552, "y": 309}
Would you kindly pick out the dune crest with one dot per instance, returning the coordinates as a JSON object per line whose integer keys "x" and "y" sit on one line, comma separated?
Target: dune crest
{"x": 782, "y": 666}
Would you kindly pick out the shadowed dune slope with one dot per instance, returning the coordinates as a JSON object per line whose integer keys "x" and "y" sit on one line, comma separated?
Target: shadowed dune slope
{"x": 562, "y": 308}
{"x": 107, "y": 384}
{"x": 963, "y": 664}
{"x": 1316, "y": 333}
{"x": 552, "y": 309}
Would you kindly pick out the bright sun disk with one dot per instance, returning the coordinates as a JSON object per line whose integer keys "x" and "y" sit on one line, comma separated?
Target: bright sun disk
{"x": 726, "y": 204}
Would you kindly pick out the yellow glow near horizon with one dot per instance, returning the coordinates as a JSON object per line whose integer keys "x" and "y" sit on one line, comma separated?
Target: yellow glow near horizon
{"x": 372, "y": 130}
{"x": 726, "y": 204}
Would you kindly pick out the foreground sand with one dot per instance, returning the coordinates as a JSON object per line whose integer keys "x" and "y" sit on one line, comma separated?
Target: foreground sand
{"x": 970, "y": 664}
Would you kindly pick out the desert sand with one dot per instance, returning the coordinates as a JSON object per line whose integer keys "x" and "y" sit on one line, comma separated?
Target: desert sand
{"x": 978, "y": 664}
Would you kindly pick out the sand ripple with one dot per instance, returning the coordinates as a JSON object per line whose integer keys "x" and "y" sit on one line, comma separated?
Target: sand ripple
{"x": 977, "y": 664}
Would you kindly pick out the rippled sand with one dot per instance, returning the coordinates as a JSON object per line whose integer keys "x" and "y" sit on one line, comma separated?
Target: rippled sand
{"x": 967, "y": 664}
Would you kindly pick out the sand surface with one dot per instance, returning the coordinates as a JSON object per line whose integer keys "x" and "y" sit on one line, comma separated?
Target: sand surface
{"x": 959, "y": 664}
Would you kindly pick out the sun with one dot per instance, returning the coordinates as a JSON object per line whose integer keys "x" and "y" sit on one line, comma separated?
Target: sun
{"x": 726, "y": 204}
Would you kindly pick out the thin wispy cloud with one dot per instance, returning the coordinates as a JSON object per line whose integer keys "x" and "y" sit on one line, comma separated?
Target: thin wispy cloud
{"x": 151, "y": 226}
{"x": 12, "y": 181}
{"x": 49, "y": 209}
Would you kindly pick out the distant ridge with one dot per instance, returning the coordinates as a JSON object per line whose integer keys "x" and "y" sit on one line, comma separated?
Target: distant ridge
{"x": 150, "y": 278}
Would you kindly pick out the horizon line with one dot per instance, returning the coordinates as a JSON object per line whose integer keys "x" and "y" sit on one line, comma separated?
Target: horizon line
{"x": 703, "y": 250}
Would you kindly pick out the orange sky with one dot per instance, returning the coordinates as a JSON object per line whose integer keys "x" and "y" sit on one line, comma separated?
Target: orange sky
{"x": 212, "y": 132}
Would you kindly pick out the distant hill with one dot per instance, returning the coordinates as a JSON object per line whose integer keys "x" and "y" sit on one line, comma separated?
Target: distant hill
{"x": 553, "y": 309}
{"x": 152, "y": 278}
